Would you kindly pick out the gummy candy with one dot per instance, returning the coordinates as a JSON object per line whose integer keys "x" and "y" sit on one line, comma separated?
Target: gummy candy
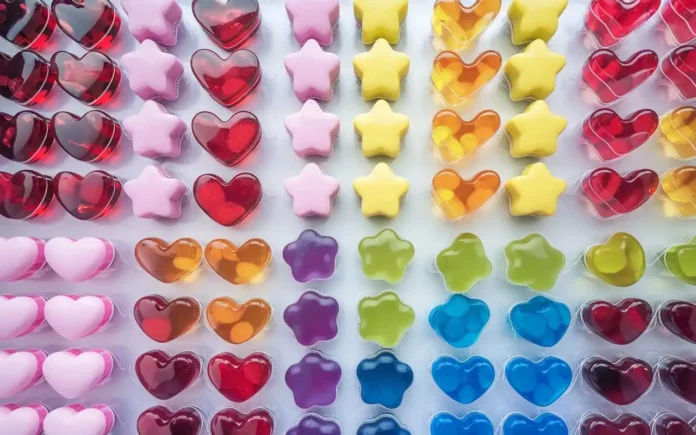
{"x": 535, "y": 132}
{"x": 384, "y": 379}
{"x": 620, "y": 323}
{"x": 311, "y": 256}
{"x": 313, "y": 72}
{"x": 454, "y": 137}
{"x": 228, "y": 81}
{"x": 679, "y": 317}
{"x": 93, "y": 137}
{"x": 679, "y": 186}
{"x": 532, "y": 73}
{"x": 32, "y": 76}
{"x": 458, "y": 26}
{"x": 678, "y": 128}
{"x": 678, "y": 15}
{"x": 460, "y": 320}
{"x": 238, "y": 265}
{"x": 231, "y": 141}
{"x": 28, "y": 24}
{"x": 679, "y": 67}
{"x": 544, "y": 424}
{"x": 380, "y": 192}
{"x": 153, "y": 74}
{"x": 165, "y": 376}
{"x": 315, "y": 424}
{"x": 27, "y": 136}
{"x": 154, "y": 193}
{"x": 163, "y": 320}
{"x": 612, "y": 136}
{"x": 621, "y": 383}
{"x": 87, "y": 197}
{"x": 463, "y": 381}
{"x": 625, "y": 424}
{"x": 92, "y": 79}
{"x": 239, "y": 379}
{"x": 237, "y": 323}
{"x": 535, "y": 192}
{"x": 381, "y": 71}
{"x": 381, "y": 130}
{"x": 156, "y": 20}
{"x": 230, "y": 421}
{"x": 312, "y": 192}
{"x": 680, "y": 260}
{"x": 620, "y": 261}
{"x": 384, "y": 319}
{"x": 385, "y": 256}
{"x": 313, "y": 318}
{"x": 542, "y": 382}
{"x": 670, "y": 424}
{"x": 540, "y": 320}
{"x": 385, "y": 424}
{"x": 380, "y": 19}
{"x": 477, "y": 423}
{"x": 26, "y": 194}
{"x": 457, "y": 81}
{"x": 611, "y": 78}
{"x": 463, "y": 263}
{"x": 228, "y": 24}
{"x": 610, "y": 21}
{"x": 94, "y": 24}
{"x": 457, "y": 197}
{"x": 530, "y": 20}
{"x": 313, "y": 380}
{"x": 533, "y": 262}
{"x": 611, "y": 194}
{"x": 160, "y": 419}
{"x": 227, "y": 203}
{"x": 169, "y": 263}
{"x": 679, "y": 377}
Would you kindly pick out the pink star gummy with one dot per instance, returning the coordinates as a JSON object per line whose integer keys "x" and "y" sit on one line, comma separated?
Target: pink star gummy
{"x": 313, "y": 71}
{"x": 153, "y": 73}
{"x": 155, "y": 132}
{"x": 155, "y": 194}
{"x": 153, "y": 19}
{"x": 312, "y": 192}
{"x": 313, "y": 19}
{"x": 312, "y": 130}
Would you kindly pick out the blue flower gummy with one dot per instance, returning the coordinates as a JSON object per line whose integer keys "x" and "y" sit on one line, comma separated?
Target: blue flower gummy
{"x": 540, "y": 320}
{"x": 460, "y": 320}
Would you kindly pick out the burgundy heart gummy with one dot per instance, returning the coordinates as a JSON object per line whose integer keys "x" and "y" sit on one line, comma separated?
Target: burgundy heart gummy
{"x": 232, "y": 422}
{"x": 624, "y": 424}
{"x": 92, "y": 78}
{"x": 612, "y": 78}
{"x": 612, "y": 194}
{"x": 26, "y": 23}
{"x": 90, "y": 138}
{"x": 679, "y": 67}
{"x": 228, "y": 142}
{"x": 165, "y": 376}
{"x": 94, "y": 24}
{"x": 679, "y": 317}
{"x": 670, "y": 424}
{"x": 620, "y": 323}
{"x": 25, "y": 137}
{"x": 160, "y": 420}
{"x": 622, "y": 382}
{"x": 26, "y": 78}
{"x": 612, "y": 136}
{"x": 27, "y": 194}
{"x": 89, "y": 197}
{"x": 230, "y": 23}
{"x": 679, "y": 377}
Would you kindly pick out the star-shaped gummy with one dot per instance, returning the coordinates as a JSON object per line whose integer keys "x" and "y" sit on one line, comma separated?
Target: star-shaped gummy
{"x": 381, "y": 71}
{"x": 313, "y": 318}
{"x": 155, "y": 194}
{"x": 532, "y": 73}
{"x": 157, "y": 20}
{"x": 313, "y": 72}
{"x": 384, "y": 379}
{"x": 381, "y": 130}
{"x": 535, "y": 192}
{"x": 381, "y": 191}
{"x": 155, "y": 132}
{"x": 463, "y": 263}
{"x": 531, "y": 19}
{"x": 535, "y": 132}
{"x": 313, "y": 19}
{"x": 153, "y": 73}
{"x": 311, "y": 256}
{"x": 312, "y": 130}
{"x": 385, "y": 256}
{"x": 380, "y": 19}
{"x": 384, "y": 319}
{"x": 314, "y": 380}
{"x": 533, "y": 262}
{"x": 312, "y": 192}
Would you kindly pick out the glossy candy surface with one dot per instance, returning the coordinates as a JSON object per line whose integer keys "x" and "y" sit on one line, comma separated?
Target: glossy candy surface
{"x": 26, "y": 23}
{"x": 385, "y": 424}
{"x": 679, "y": 377}
{"x": 679, "y": 317}
{"x": 612, "y": 136}
{"x": 620, "y": 261}
{"x": 457, "y": 80}
{"x": 463, "y": 381}
{"x": 455, "y": 138}
{"x": 313, "y": 380}
{"x": 460, "y": 320}
{"x": 237, "y": 322}
{"x": 230, "y": 80}
{"x": 621, "y": 383}
{"x": 621, "y": 323}
{"x": 165, "y": 376}
{"x": 313, "y": 318}
{"x": 540, "y": 320}
{"x": 384, "y": 318}
{"x": 163, "y": 320}
{"x": 611, "y": 194}
{"x": 227, "y": 203}
{"x": 239, "y": 379}
{"x": 474, "y": 422}
{"x": 385, "y": 256}
{"x": 229, "y": 421}
{"x": 612, "y": 78}
{"x": 624, "y": 424}
{"x": 238, "y": 264}
{"x": 678, "y": 15}
{"x": 679, "y": 186}
{"x": 678, "y": 128}
{"x": 458, "y": 26}
{"x": 679, "y": 67}
{"x": 229, "y": 24}
{"x": 87, "y": 197}
{"x": 25, "y": 194}
{"x": 544, "y": 424}
{"x": 315, "y": 424}
{"x": 92, "y": 79}
{"x": 229, "y": 142}
{"x": 610, "y": 21}
{"x": 458, "y": 197}
{"x": 670, "y": 424}
{"x": 463, "y": 263}
{"x": 94, "y": 24}
{"x": 311, "y": 256}
{"x": 92, "y": 137}
{"x": 533, "y": 262}
{"x": 384, "y": 379}
{"x": 542, "y": 382}
{"x": 160, "y": 420}
{"x": 25, "y": 137}
{"x": 679, "y": 259}
{"x": 169, "y": 263}
{"x": 26, "y": 78}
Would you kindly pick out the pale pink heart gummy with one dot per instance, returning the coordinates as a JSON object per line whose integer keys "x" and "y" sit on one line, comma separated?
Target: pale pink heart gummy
{"x": 20, "y": 315}
{"x": 22, "y": 420}
{"x": 20, "y": 257}
{"x": 75, "y": 317}
{"x": 74, "y": 372}
{"x": 78, "y": 420}
{"x": 20, "y": 370}
{"x": 79, "y": 260}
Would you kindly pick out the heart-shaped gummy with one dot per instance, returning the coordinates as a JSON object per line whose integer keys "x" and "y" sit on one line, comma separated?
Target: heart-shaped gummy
{"x": 160, "y": 420}
{"x": 540, "y": 320}
{"x": 164, "y": 320}
{"x": 544, "y": 424}
{"x": 26, "y": 78}
{"x": 227, "y": 203}
{"x": 678, "y": 128}
{"x": 23, "y": 420}
{"x": 679, "y": 66}
{"x": 229, "y": 80}
{"x": 621, "y": 383}
{"x": 620, "y": 323}
{"x": 239, "y": 379}
{"x": 94, "y": 24}
{"x": 624, "y": 424}
{"x": 620, "y": 261}
{"x": 229, "y": 421}
{"x": 26, "y": 23}
{"x": 25, "y": 137}
{"x": 542, "y": 382}
{"x": 169, "y": 262}
{"x": 237, "y": 323}
{"x": 457, "y": 80}
{"x": 238, "y": 265}
{"x": 612, "y": 195}
{"x": 230, "y": 141}
{"x": 229, "y": 24}
{"x": 670, "y": 424}
{"x": 463, "y": 381}
{"x": 612, "y": 136}
{"x": 612, "y": 20}
{"x": 679, "y": 317}
{"x": 457, "y": 25}
{"x": 89, "y": 138}
{"x": 24, "y": 195}
{"x": 679, "y": 377}
{"x": 165, "y": 376}
{"x": 679, "y": 186}
{"x": 92, "y": 78}
{"x": 445, "y": 423}
{"x": 612, "y": 78}
{"x": 678, "y": 16}
{"x": 454, "y": 137}
{"x": 458, "y": 197}
{"x": 89, "y": 197}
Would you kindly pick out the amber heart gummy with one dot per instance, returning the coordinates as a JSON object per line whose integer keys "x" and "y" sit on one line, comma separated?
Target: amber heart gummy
{"x": 620, "y": 323}
{"x": 624, "y": 424}
{"x": 94, "y": 24}
{"x": 26, "y": 23}
{"x": 89, "y": 197}
{"x": 165, "y": 376}
{"x": 612, "y": 136}
{"x": 232, "y": 422}
{"x": 620, "y": 383}
{"x": 228, "y": 23}
{"x": 610, "y": 21}
{"x": 239, "y": 379}
{"x": 90, "y": 138}
{"x": 679, "y": 318}
{"x": 229, "y": 80}
{"x": 679, "y": 377}
{"x": 26, "y": 78}
{"x": 25, "y": 137}
{"x": 612, "y": 79}
{"x": 227, "y": 203}
{"x": 92, "y": 78}
{"x": 229, "y": 142}
{"x": 162, "y": 320}
{"x": 25, "y": 195}
{"x": 160, "y": 420}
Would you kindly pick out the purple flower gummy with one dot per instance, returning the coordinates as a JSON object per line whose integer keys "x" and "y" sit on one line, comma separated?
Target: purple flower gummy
{"x": 311, "y": 256}
{"x": 314, "y": 424}
{"x": 314, "y": 380}
{"x": 312, "y": 318}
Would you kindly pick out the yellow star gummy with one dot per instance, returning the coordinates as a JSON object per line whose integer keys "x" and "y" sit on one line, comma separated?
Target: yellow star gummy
{"x": 381, "y": 130}
{"x": 534, "y": 19}
{"x": 535, "y": 132}
{"x": 381, "y": 191}
{"x": 380, "y": 19}
{"x": 535, "y": 192}
{"x": 381, "y": 71}
{"x": 532, "y": 73}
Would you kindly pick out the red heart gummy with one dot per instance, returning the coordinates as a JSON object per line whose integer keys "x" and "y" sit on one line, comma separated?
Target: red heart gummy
{"x": 612, "y": 79}
{"x": 92, "y": 78}
{"x": 227, "y": 203}
{"x": 239, "y": 379}
{"x": 162, "y": 320}
{"x": 679, "y": 66}
{"x": 679, "y": 377}
{"x": 90, "y": 138}
{"x": 89, "y": 197}
{"x": 612, "y": 195}
{"x": 670, "y": 424}
{"x": 232, "y": 422}
{"x": 25, "y": 137}
{"x": 621, "y": 383}
{"x": 680, "y": 18}
{"x": 165, "y": 376}
{"x": 160, "y": 420}
{"x": 27, "y": 194}
{"x": 231, "y": 141}
{"x": 610, "y": 21}
{"x": 620, "y": 323}
{"x": 26, "y": 23}
{"x": 229, "y": 80}
{"x": 679, "y": 318}
{"x": 94, "y": 24}
{"x": 26, "y": 78}
{"x": 612, "y": 136}
{"x": 229, "y": 24}
{"x": 624, "y": 424}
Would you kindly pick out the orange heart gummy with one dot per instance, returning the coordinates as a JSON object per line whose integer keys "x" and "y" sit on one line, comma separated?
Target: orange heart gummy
{"x": 454, "y": 138}
{"x": 679, "y": 185}
{"x": 458, "y": 197}
{"x": 457, "y": 80}
{"x": 458, "y": 26}
{"x": 169, "y": 262}
{"x": 238, "y": 323}
{"x": 238, "y": 265}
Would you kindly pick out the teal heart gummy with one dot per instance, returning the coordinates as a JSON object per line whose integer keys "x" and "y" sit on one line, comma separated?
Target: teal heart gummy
{"x": 384, "y": 379}
{"x": 542, "y": 382}
{"x": 540, "y": 320}
{"x": 473, "y": 423}
{"x": 545, "y": 424}
{"x": 460, "y": 320}
{"x": 463, "y": 381}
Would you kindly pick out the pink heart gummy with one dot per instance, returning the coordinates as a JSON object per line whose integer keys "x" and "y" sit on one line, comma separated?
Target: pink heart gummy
{"x": 20, "y": 315}
{"x": 73, "y": 372}
{"x": 76, "y": 419}
{"x": 75, "y": 317}
{"x": 79, "y": 260}
{"x": 20, "y": 257}
{"x": 20, "y": 370}
{"x": 22, "y": 420}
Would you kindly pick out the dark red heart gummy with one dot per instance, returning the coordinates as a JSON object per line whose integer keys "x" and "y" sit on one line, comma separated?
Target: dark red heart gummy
{"x": 165, "y": 376}
{"x": 92, "y": 78}
{"x": 612, "y": 136}
{"x": 612, "y": 79}
{"x": 26, "y": 23}
{"x": 90, "y": 138}
{"x": 25, "y": 137}
{"x": 160, "y": 420}
{"x": 227, "y": 203}
{"x": 624, "y": 424}
{"x": 620, "y": 383}
{"x": 679, "y": 377}
{"x": 679, "y": 318}
{"x": 229, "y": 24}
{"x": 612, "y": 195}
{"x": 26, "y": 78}
{"x": 232, "y": 422}
{"x": 89, "y": 197}
{"x": 27, "y": 195}
{"x": 94, "y": 24}
{"x": 162, "y": 320}
{"x": 620, "y": 323}
{"x": 679, "y": 16}
{"x": 239, "y": 379}
{"x": 679, "y": 66}
{"x": 228, "y": 142}
{"x": 612, "y": 20}
{"x": 670, "y": 424}
{"x": 229, "y": 80}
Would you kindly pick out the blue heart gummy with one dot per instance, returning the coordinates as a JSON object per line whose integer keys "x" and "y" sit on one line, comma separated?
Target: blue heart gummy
{"x": 463, "y": 381}
{"x": 473, "y": 423}
{"x": 545, "y": 424}
{"x": 385, "y": 424}
{"x": 460, "y": 320}
{"x": 384, "y": 379}
{"x": 541, "y": 383}
{"x": 540, "y": 320}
